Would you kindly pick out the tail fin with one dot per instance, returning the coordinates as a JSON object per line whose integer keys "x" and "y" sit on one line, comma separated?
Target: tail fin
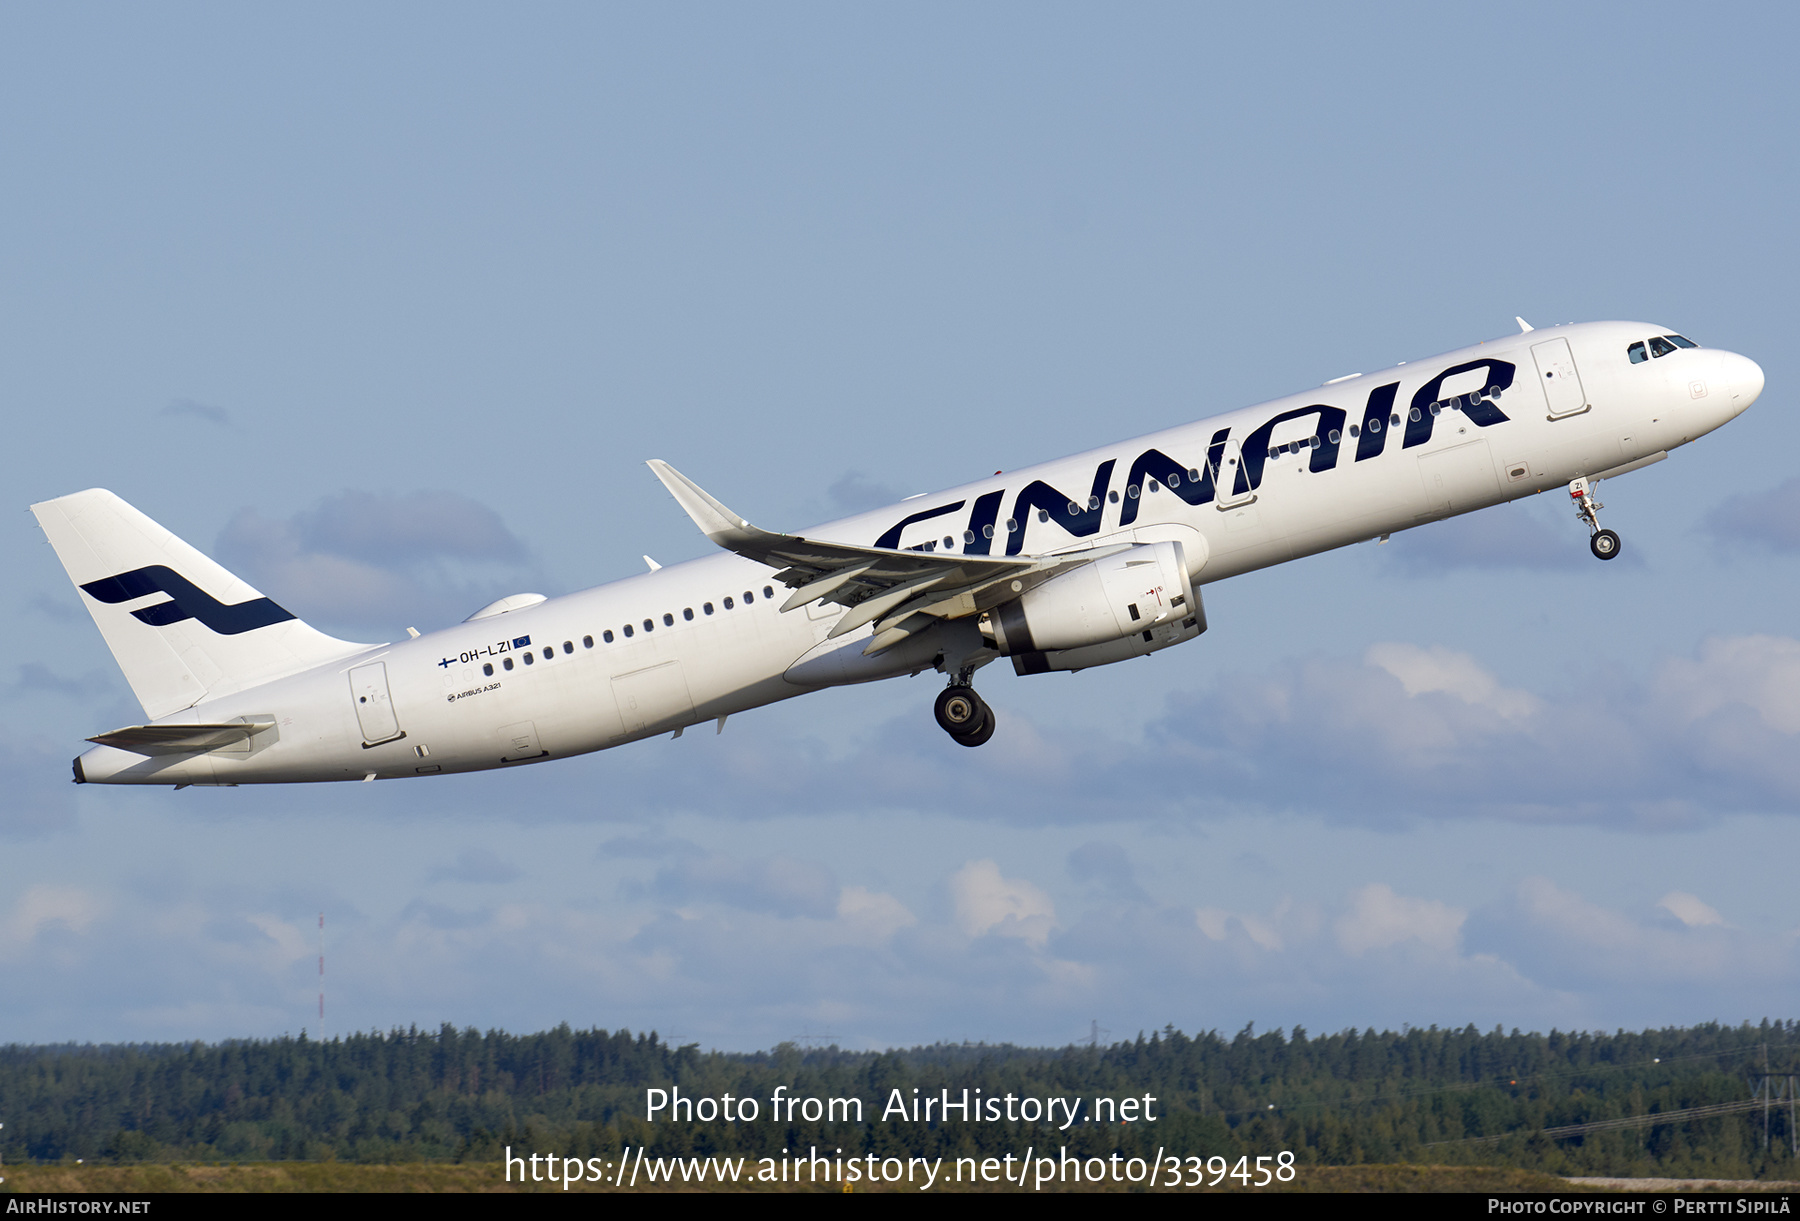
{"x": 182, "y": 628}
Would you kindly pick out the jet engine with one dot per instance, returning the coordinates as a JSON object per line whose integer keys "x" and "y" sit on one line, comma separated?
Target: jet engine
{"x": 1120, "y": 606}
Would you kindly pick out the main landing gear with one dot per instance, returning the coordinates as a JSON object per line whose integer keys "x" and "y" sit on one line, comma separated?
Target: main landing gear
{"x": 964, "y": 715}
{"x": 1603, "y": 543}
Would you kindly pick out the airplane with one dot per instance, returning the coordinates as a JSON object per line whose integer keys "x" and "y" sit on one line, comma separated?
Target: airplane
{"x": 1086, "y": 561}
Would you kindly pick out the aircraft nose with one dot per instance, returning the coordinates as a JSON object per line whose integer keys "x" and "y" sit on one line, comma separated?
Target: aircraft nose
{"x": 1745, "y": 377}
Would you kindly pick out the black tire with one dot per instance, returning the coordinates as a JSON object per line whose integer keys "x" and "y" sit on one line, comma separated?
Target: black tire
{"x": 958, "y": 710}
{"x": 978, "y": 736}
{"x": 1604, "y": 545}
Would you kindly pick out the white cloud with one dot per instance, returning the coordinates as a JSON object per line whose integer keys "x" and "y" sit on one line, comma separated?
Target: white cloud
{"x": 1758, "y": 673}
{"x": 877, "y": 916}
{"x": 1379, "y": 918}
{"x": 288, "y": 941}
{"x": 1561, "y": 937}
{"x": 43, "y": 907}
{"x": 1689, "y": 909}
{"x": 1265, "y": 932}
{"x": 985, "y": 902}
{"x": 1425, "y": 670}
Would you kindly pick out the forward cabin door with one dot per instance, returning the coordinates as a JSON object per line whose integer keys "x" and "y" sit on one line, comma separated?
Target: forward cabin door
{"x": 374, "y": 706}
{"x": 1559, "y": 378}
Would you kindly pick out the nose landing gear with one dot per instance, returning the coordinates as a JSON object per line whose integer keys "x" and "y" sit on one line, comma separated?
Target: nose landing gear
{"x": 964, "y": 715}
{"x": 1603, "y": 543}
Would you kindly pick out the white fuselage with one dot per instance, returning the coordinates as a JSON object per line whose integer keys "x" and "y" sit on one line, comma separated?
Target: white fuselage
{"x": 707, "y": 638}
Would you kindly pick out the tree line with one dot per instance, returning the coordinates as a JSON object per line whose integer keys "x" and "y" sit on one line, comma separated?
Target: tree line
{"x": 1418, "y": 1095}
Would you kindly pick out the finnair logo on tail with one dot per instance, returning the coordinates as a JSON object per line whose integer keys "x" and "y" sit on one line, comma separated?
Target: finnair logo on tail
{"x": 186, "y": 601}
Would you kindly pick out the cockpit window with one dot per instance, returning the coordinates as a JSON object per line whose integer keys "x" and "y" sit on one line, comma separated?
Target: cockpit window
{"x": 1661, "y": 347}
{"x": 1637, "y": 353}
{"x": 1681, "y": 341}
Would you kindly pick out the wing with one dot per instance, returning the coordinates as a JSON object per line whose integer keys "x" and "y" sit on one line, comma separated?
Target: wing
{"x": 900, "y": 592}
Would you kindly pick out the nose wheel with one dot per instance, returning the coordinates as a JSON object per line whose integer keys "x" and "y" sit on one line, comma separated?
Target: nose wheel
{"x": 964, "y": 715}
{"x": 1603, "y": 543}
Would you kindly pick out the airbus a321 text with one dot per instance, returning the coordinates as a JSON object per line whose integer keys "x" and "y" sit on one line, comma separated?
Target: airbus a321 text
{"x": 1082, "y": 562}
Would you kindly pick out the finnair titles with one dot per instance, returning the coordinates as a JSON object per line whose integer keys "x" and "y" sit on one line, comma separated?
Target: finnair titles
{"x": 1087, "y": 561}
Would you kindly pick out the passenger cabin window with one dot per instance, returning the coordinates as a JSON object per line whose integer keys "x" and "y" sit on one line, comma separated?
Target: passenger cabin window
{"x": 749, "y": 597}
{"x": 768, "y": 591}
{"x": 628, "y": 631}
{"x": 729, "y": 604}
{"x": 587, "y": 642}
{"x": 706, "y": 607}
{"x": 487, "y": 668}
{"x": 506, "y": 663}
{"x": 568, "y": 646}
{"x": 1638, "y": 353}
{"x": 530, "y": 657}
{"x": 1661, "y": 347}
{"x": 649, "y": 625}
{"x": 687, "y": 612}
{"x": 668, "y": 620}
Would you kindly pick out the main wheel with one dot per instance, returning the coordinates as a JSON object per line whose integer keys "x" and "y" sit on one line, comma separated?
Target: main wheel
{"x": 1604, "y": 545}
{"x": 975, "y": 737}
{"x": 958, "y": 710}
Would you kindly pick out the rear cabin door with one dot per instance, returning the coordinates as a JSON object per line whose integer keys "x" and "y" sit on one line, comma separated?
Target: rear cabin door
{"x": 374, "y": 706}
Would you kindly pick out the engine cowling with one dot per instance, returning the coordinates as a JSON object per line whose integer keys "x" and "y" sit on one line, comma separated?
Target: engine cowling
{"x": 1129, "y": 603}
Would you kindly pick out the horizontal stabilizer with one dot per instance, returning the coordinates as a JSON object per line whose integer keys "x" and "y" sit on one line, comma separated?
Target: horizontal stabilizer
{"x": 180, "y": 739}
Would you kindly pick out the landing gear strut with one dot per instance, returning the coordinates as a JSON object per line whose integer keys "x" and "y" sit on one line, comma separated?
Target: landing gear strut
{"x": 964, "y": 715}
{"x": 1603, "y": 543}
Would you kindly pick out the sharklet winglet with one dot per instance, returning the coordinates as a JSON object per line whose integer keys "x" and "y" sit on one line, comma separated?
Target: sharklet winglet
{"x": 717, "y": 522}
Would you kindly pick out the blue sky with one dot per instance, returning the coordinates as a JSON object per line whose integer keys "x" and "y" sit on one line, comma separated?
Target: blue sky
{"x": 385, "y": 308}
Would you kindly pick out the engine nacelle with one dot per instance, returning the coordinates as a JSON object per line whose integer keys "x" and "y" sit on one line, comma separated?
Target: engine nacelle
{"x": 1121, "y": 605}
{"x": 1141, "y": 645}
